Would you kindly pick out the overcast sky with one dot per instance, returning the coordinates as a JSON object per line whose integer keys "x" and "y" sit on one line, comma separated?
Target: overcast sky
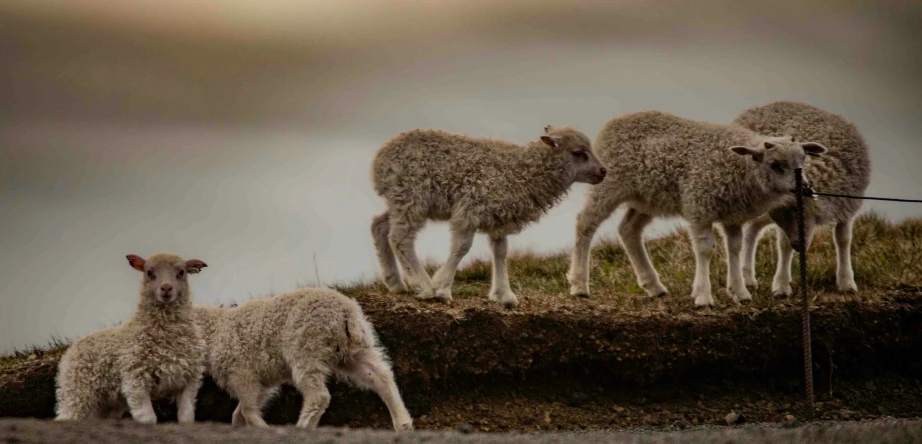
{"x": 243, "y": 135}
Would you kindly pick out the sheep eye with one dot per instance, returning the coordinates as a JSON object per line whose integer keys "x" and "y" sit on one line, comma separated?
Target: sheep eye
{"x": 181, "y": 273}
{"x": 580, "y": 154}
{"x": 777, "y": 167}
{"x": 150, "y": 274}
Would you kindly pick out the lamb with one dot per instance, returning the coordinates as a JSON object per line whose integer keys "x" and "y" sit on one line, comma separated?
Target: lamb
{"x": 664, "y": 165}
{"x": 845, "y": 169}
{"x": 297, "y": 338}
{"x": 158, "y": 353}
{"x": 477, "y": 185}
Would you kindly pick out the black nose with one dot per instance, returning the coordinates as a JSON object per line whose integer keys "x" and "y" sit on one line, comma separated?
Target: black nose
{"x": 603, "y": 171}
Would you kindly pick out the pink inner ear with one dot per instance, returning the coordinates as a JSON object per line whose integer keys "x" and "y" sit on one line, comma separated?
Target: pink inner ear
{"x": 137, "y": 262}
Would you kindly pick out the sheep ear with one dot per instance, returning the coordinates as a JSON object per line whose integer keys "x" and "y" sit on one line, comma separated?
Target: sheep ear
{"x": 136, "y": 262}
{"x": 768, "y": 145}
{"x": 746, "y": 151}
{"x": 813, "y": 148}
{"x": 194, "y": 266}
{"x": 551, "y": 141}
{"x": 548, "y": 129}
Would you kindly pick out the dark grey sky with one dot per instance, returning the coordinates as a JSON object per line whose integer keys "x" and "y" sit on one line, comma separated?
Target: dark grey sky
{"x": 244, "y": 138}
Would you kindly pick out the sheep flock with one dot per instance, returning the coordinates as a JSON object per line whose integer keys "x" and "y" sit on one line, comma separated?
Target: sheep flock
{"x": 738, "y": 177}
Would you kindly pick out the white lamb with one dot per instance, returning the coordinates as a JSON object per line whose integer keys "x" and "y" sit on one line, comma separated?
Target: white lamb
{"x": 845, "y": 169}
{"x": 158, "y": 353}
{"x": 664, "y": 165}
{"x": 477, "y": 185}
{"x": 297, "y": 338}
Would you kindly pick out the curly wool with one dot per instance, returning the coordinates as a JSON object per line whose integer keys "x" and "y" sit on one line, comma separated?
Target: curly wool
{"x": 844, "y": 169}
{"x": 296, "y": 338}
{"x": 160, "y": 349}
{"x": 667, "y": 165}
{"x": 494, "y": 186}
{"x": 664, "y": 165}
{"x": 478, "y": 185}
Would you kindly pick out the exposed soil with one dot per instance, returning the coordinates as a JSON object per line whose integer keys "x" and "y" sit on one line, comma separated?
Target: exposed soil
{"x": 582, "y": 367}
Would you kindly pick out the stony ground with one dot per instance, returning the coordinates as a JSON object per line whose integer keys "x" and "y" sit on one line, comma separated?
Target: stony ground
{"x": 127, "y": 432}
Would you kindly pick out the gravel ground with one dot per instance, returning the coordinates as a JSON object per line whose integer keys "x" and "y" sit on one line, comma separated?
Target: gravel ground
{"x": 126, "y": 431}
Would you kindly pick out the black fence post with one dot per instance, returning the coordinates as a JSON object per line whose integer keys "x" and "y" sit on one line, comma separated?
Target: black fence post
{"x": 805, "y": 315}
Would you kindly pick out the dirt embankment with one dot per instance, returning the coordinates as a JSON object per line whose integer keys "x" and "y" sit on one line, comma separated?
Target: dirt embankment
{"x": 583, "y": 366}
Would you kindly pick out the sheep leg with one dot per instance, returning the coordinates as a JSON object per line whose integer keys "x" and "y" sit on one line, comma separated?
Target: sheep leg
{"x": 118, "y": 409}
{"x": 185, "y": 403}
{"x": 597, "y": 208}
{"x": 368, "y": 370}
{"x": 247, "y": 391}
{"x": 845, "y": 275}
{"x": 462, "y": 239}
{"x": 631, "y": 233}
{"x": 380, "y": 228}
{"x": 702, "y": 239}
{"x": 736, "y": 285}
{"x": 781, "y": 285}
{"x": 139, "y": 402}
{"x": 752, "y": 231}
{"x": 402, "y": 237}
{"x": 500, "y": 290}
{"x": 313, "y": 388}
{"x": 238, "y": 420}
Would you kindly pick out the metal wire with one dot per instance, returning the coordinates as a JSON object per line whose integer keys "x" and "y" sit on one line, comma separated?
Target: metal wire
{"x": 809, "y": 192}
{"x": 805, "y": 314}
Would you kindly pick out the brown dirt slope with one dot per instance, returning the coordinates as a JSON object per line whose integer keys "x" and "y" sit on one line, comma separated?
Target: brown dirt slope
{"x": 619, "y": 359}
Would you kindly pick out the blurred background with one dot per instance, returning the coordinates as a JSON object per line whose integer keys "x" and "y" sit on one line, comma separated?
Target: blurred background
{"x": 241, "y": 132}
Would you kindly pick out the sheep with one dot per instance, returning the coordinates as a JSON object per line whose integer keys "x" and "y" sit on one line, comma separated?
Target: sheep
{"x": 845, "y": 169}
{"x": 157, "y": 353}
{"x": 661, "y": 164}
{"x": 477, "y": 185}
{"x": 297, "y": 338}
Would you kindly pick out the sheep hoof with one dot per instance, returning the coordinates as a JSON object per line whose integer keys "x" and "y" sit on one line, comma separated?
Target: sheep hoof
{"x": 400, "y": 288}
{"x": 783, "y": 291}
{"x": 847, "y": 287}
{"x": 579, "y": 292}
{"x": 751, "y": 283}
{"x": 661, "y": 294}
{"x": 509, "y": 305}
{"x": 741, "y": 296}
{"x": 443, "y": 294}
{"x": 703, "y": 298}
{"x": 407, "y": 427}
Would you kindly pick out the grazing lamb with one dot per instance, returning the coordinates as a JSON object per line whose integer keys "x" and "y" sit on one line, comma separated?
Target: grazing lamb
{"x": 664, "y": 165}
{"x": 297, "y": 338}
{"x": 845, "y": 169}
{"x": 477, "y": 185}
{"x": 159, "y": 352}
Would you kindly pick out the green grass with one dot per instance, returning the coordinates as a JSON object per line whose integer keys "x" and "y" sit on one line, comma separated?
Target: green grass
{"x": 885, "y": 257}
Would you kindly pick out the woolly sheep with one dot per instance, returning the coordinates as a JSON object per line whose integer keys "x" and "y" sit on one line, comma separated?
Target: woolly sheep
{"x": 845, "y": 169}
{"x": 297, "y": 338}
{"x": 477, "y": 185}
{"x": 159, "y": 352}
{"x": 664, "y": 165}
